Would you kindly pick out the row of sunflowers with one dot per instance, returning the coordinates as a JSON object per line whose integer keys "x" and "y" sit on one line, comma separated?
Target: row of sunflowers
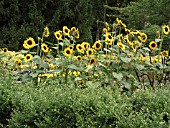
{"x": 122, "y": 56}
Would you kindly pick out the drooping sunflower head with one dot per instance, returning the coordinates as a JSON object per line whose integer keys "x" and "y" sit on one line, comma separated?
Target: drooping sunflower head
{"x": 152, "y": 45}
{"x": 44, "y": 47}
{"x": 164, "y": 53}
{"x": 29, "y": 43}
{"x": 89, "y": 52}
{"x": 97, "y": 45}
{"x": 165, "y": 29}
{"x": 68, "y": 52}
{"x": 46, "y": 32}
{"x": 158, "y": 35}
{"x": 77, "y": 35}
{"x": 107, "y": 26}
{"x": 121, "y": 46}
{"x": 118, "y": 21}
{"x": 28, "y": 57}
{"x": 5, "y": 50}
{"x": 58, "y": 35}
{"x": 142, "y": 37}
{"x": 66, "y": 31}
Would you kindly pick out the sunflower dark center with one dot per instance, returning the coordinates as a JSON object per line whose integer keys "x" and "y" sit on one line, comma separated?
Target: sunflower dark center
{"x": 29, "y": 42}
{"x": 79, "y": 58}
{"x": 45, "y": 48}
{"x": 121, "y": 46}
{"x": 80, "y": 47}
{"x": 68, "y": 51}
{"x": 92, "y": 61}
{"x": 153, "y": 45}
{"x": 28, "y": 57}
{"x": 66, "y": 31}
{"x": 58, "y": 35}
{"x": 166, "y": 29}
{"x": 97, "y": 45}
{"x": 90, "y": 52}
{"x": 110, "y": 37}
{"x": 85, "y": 45}
{"x": 5, "y": 50}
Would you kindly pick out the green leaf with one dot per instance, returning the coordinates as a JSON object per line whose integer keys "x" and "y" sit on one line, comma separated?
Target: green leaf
{"x": 118, "y": 76}
{"x": 72, "y": 66}
{"x": 56, "y": 48}
{"x": 126, "y": 85}
{"x": 49, "y": 43}
{"x": 78, "y": 78}
{"x": 34, "y": 74}
{"x": 158, "y": 40}
{"x": 23, "y": 51}
{"x": 139, "y": 66}
{"x": 126, "y": 60}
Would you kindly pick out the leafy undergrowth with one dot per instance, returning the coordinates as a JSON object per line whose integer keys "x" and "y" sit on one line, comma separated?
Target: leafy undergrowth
{"x": 94, "y": 105}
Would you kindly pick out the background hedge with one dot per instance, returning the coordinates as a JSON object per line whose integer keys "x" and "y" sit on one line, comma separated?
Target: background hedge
{"x": 52, "y": 105}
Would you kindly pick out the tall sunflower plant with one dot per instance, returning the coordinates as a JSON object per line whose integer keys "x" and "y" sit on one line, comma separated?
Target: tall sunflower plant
{"x": 122, "y": 57}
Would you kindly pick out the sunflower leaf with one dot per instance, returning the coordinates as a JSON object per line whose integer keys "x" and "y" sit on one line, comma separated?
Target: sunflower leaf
{"x": 118, "y": 76}
{"x": 158, "y": 40}
{"x": 72, "y": 66}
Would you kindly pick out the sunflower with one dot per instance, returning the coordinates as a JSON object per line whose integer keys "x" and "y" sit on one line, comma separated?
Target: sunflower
{"x": 73, "y": 30}
{"x": 165, "y": 29}
{"x": 142, "y": 37}
{"x": 68, "y": 52}
{"x": 28, "y": 58}
{"x": 118, "y": 21}
{"x": 29, "y": 43}
{"x": 109, "y": 39}
{"x": 11, "y": 69}
{"x": 121, "y": 38}
{"x": 128, "y": 40}
{"x": 17, "y": 61}
{"x": 107, "y": 26}
{"x": 97, "y": 45}
{"x": 152, "y": 45}
{"x": 79, "y": 58}
{"x": 164, "y": 53}
{"x": 92, "y": 61}
{"x": 77, "y": 34}
{"x": 44, "y": 47}
{"x": 105, "y": 30}
{"x": 86, "y": 45}
{"x": 46, "y": 32}
{"x": 66, "y": 31}
{"x": 5, "y": 50}
{"x": 127, "y": 31}
{"x": 58, "y": 35}
{"x": 158, "y": 35}
{"x": 121, "y": 46}
{"x": 80, "y": 48}
{"x": 71, "y": 47}
{"x": 89, "y": 52}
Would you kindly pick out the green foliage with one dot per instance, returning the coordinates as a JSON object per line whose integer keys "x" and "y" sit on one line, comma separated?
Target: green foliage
{"x": 51, "y": 105}
{"x": 19, "y": 19}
